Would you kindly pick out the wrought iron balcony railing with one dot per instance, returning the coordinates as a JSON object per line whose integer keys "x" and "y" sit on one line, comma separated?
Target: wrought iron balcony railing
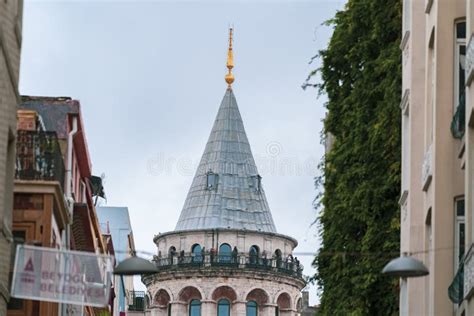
{"x": 458, "y": 124}
{"x": 38, "y": 157}
{"x": 136, "y": 301}
{"x": 289, "y": 267}
{"x": 456, "y": 289}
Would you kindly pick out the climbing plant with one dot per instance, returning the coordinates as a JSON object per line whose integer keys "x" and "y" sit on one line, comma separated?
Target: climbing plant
{"x": 360, "y": 184}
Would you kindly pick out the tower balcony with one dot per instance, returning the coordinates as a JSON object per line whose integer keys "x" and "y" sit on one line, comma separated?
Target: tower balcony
{"x": 286, "y": 267}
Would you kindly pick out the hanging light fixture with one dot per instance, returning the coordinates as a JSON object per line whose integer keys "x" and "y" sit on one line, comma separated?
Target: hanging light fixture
{"x": 135, "y": 266}
{"x": 405, "y": 267}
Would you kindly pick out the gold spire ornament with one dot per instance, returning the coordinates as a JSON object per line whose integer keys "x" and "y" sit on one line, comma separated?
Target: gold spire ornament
{"x": 229, "y": 78}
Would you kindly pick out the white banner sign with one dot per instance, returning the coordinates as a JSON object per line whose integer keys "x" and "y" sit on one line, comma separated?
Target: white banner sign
{"x": 62, "y": 276}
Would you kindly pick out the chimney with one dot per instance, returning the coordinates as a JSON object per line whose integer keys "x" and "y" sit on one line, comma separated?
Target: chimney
{"x": 26, "y": 120}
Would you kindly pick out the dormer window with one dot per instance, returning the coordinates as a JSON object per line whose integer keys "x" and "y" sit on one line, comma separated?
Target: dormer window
{"x": 256, "y": 182}
{"x": 212, "y": 180}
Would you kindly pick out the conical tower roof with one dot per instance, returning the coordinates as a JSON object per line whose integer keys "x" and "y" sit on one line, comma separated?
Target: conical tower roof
{"x": 226, "y": 191}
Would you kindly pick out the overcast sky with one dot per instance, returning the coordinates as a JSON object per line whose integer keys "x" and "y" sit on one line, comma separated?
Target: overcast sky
{"x": 150, "y": 78}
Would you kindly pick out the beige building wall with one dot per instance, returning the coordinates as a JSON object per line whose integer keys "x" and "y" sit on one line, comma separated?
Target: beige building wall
{"x": 10, "y": 46}
{"x": 433, "y": 165}
{"x": 413, "y": 116}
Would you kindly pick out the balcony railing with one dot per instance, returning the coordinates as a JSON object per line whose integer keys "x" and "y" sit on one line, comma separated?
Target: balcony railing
{"x": 458, "y": 124}
{"x": 38, "y": 157}
{"x": 136, "y": 301}
{"x": 456, "y": 289}
{"x": 288, "y": 266}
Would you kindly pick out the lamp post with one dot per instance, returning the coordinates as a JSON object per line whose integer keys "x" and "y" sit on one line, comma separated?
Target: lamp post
{"x": 135, "y": 266}
{"x": 405, "y": 267}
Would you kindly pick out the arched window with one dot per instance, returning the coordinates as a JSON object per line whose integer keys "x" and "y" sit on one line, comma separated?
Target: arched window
{"x": 254, "y": 254}
{"x": 252, "y": 308}
{"x": 225, "y": 253}
{"x": 195, "y": 308}
{"x": 197, "y": 253}
{"x": 278, "y": 253}
{"x": 172, "y": 251}
{"x": 171, "y": 254}
{"x": 278, "y": 258}
{"x": 223, "y": 307}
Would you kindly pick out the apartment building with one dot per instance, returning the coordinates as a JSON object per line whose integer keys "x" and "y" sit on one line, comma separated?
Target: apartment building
{"x": 11, "y": 13}
{"x": 40, "y": 212}
{"x": 54, "y": 190}
{"x": 438, "y": 155}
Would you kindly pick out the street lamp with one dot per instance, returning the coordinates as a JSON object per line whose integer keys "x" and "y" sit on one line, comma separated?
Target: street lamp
{"x": 405, "y": 267}
{"x": 135, "y": 266}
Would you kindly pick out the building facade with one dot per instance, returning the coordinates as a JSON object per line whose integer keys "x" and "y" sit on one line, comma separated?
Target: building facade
{"x": 116, "y": 221}
{"x": 306, "y": 309}
{"x": 54, "y": 191}
{"x": 225, "y": 256}
{"x": 11, "y": 13}
{"x": 438, "y": 155}
{"x": 40, "y": 212}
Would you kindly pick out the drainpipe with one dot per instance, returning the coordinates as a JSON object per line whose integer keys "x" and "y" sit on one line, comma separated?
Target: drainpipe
{"x": 69, "y": 160}
{"x": 67, "y": 192}
{"x": 68, "y": 195}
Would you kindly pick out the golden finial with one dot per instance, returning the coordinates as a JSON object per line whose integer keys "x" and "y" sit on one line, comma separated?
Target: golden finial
{"x": 229, "y": 78}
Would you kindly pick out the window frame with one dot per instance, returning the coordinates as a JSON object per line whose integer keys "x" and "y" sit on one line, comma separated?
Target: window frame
{"x": 459, "y": 221}
{"x": 223, "y": 302}
{"x": 225, "y": 257}
{"x": 212, "y": 180}
{"x": 458, "y": 43}
{"x": 247, "y": 306}
{"x": 254, "y": 254}
{"x": 194, "y": 303}
{"x": 197, "y": 257}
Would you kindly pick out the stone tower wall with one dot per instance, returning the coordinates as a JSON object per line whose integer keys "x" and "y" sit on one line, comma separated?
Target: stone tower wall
{"x": 268, "y": 292}
{"x": 243, "y": 240}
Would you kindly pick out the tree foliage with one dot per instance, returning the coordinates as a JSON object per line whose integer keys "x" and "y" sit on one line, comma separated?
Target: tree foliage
{"x": 359, "y": 213}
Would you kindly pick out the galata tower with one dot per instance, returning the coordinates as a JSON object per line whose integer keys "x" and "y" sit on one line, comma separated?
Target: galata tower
{"x": 225, "y": 257}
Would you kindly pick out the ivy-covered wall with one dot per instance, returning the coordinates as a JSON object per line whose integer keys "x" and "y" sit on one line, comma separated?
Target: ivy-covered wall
{"x": 359, "y": 212}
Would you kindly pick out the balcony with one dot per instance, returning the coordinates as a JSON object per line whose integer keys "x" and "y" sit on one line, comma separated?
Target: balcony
{"x": 136, "y": 301}
{"x": 289, "y": 267}
{"x": 458, "y": 124}
{"x": 470, "y": 61}
{"x": 468, "y": 273}
{"x": 38, "y": 157}
{"x": 456, "y": 289}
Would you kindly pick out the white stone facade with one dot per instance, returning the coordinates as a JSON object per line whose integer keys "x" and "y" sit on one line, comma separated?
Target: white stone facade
{"x": 243, "y": 240}
{"x": 170, "y": 291}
